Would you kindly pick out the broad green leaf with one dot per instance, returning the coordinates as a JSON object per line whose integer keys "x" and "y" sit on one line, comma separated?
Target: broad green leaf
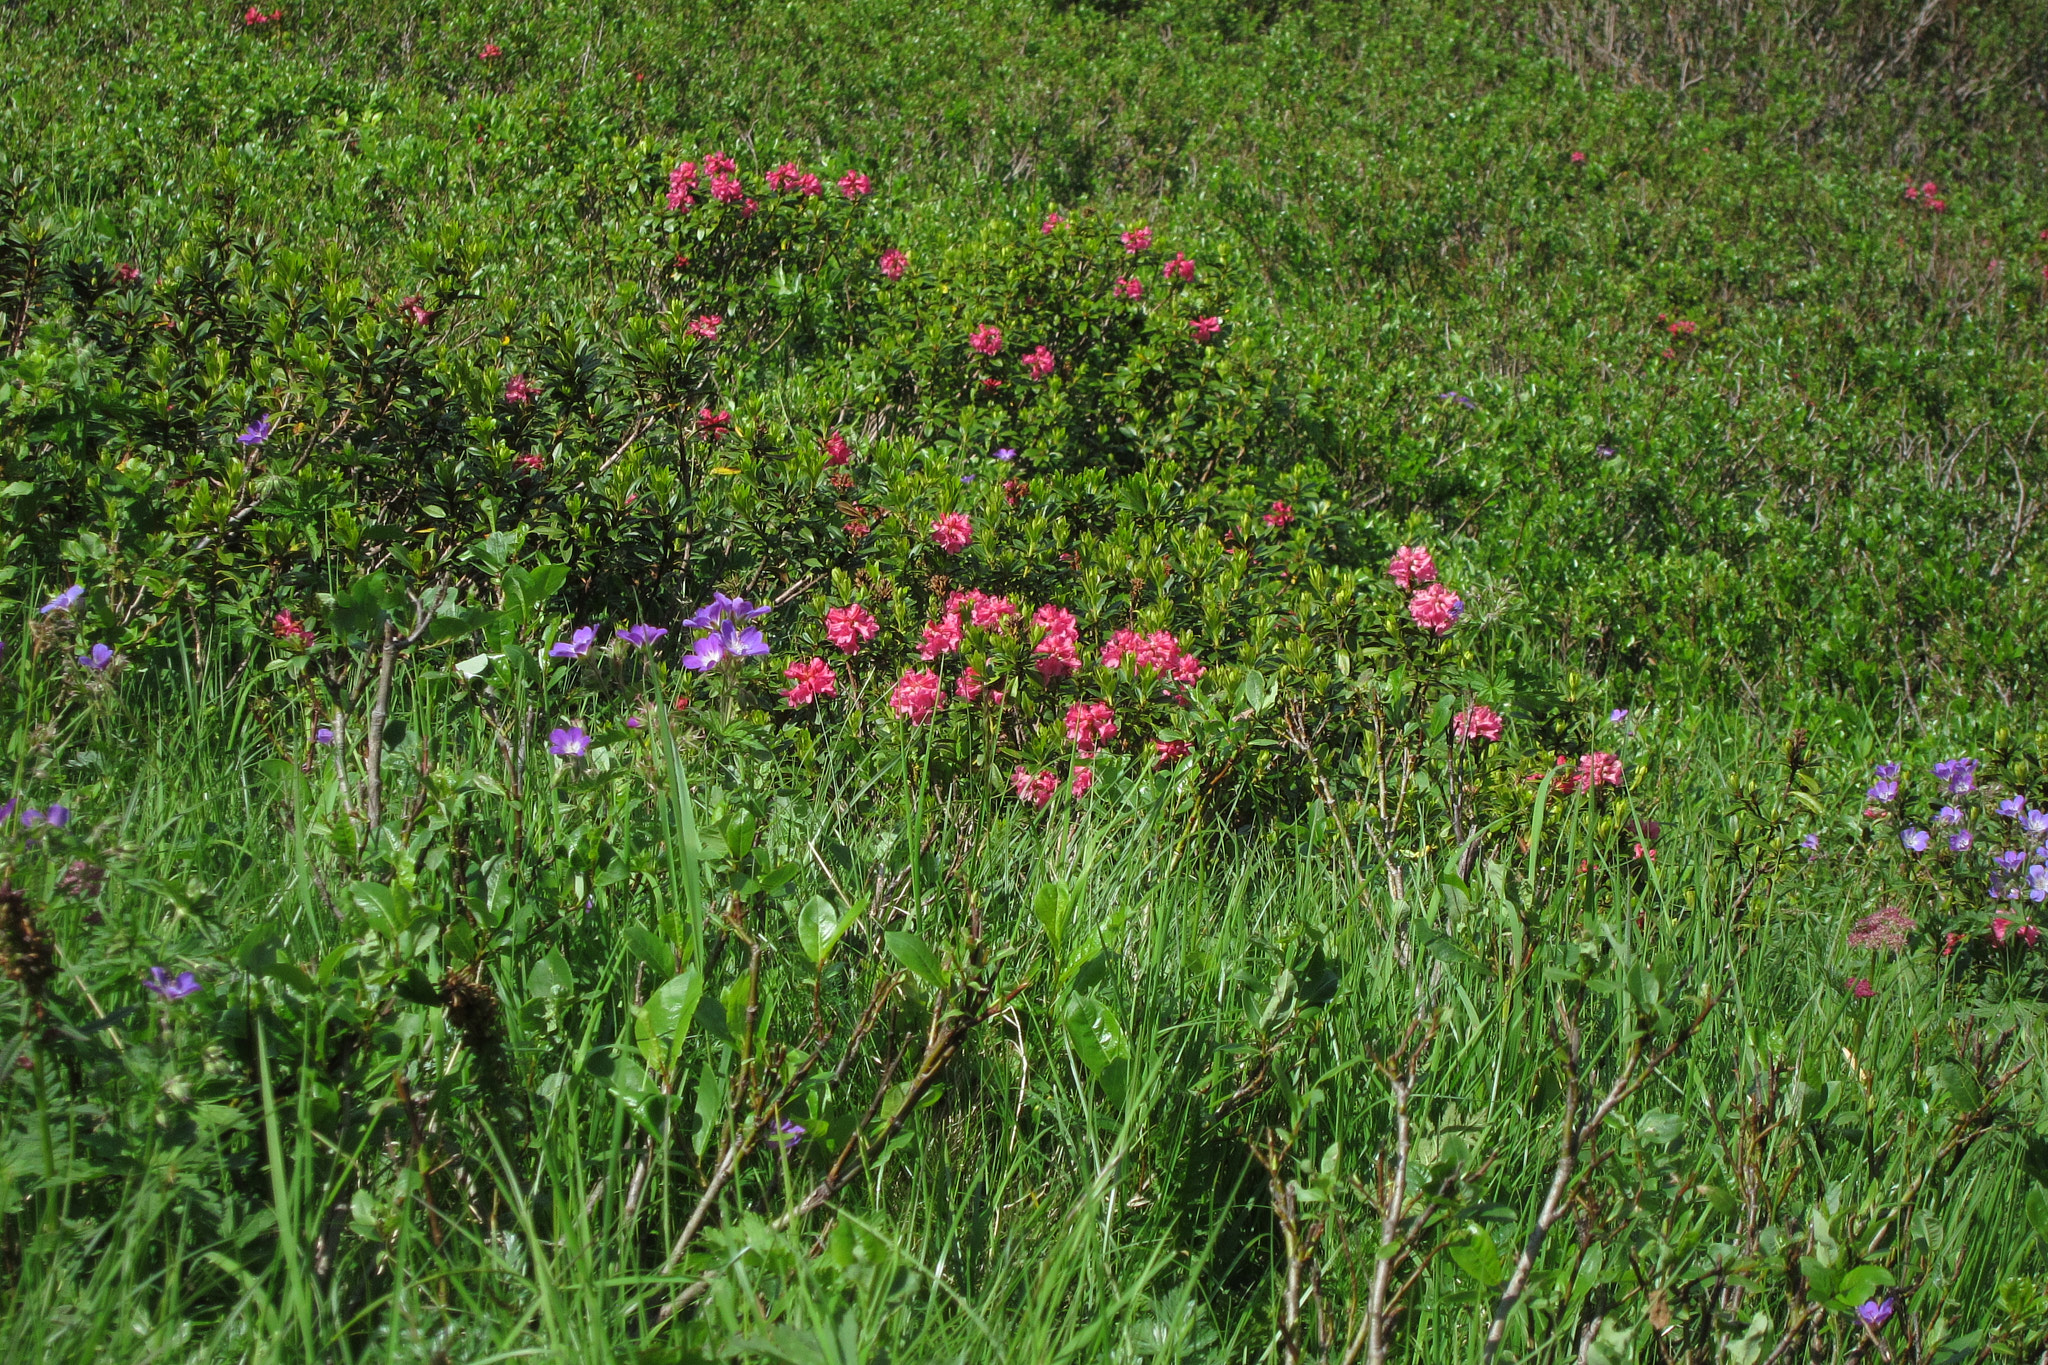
{"x": 911, "y": 951}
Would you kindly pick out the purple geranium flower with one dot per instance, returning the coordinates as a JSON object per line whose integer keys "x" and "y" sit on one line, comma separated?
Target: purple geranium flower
{"x": 1948, "y": 815}
{"x": 1959, "y": 773}
{"x": 56, "y": 817}
{"x": 65, "y": 600}
{"x": 323, "y": 735}
{"x": 170, "y": 988}
{"x": 642, "y": 636}
{"x": 787, "y": 1134}
{"x": 2037, "y": 883}
{"x": 1457, "y": 397}
{"x": 97, "y": 658}
{"x": 1876, "y": 1312}
{"x": 258, "y": 432}
{"x": 1617, "y": 715}
{"x": 568, "y": 742}
{"x": 2035, "y": 822}
{"x": 723, "y": 608}
{"x": 1005, "y": 454}
{"x": 2012, "y": 860}
{"x": 1884, "y": 789}
{"x": 2012, "y": 807}
{"x": 1811, "y": 843}
{"x": 711, "y": 650}
{"x": 576, "y": 646}
{"x": 1915, "y": 840}
{"x": 1887, "y": 772}
{"x": 1959, "y": 841}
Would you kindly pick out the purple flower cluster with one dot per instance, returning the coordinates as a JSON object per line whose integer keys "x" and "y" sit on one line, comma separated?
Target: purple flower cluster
{"x": 729, "y": 638}
{"x": 1959, "y": 773}
{"x": 53, "y": 817}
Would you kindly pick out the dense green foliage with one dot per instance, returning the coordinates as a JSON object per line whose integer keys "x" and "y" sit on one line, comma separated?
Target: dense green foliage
{"x": 1175, "y": 933}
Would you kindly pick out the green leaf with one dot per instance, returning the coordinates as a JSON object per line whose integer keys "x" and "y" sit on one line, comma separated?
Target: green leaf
{"x": 819, "y": 926}
{"x": 1049, "y": 906}
{"x": 1096, "y": 1032}
{"x": 381, "y": 905}
{"x": 1479, "y": 1258}
{"x": 2037, "y": 1212}
{"x": 549, "y": 978}
{"x": 1860, "y": 1284}
{"x": 912, "y": 952}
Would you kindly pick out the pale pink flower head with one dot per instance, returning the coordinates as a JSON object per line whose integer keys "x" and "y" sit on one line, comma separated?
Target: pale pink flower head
{"x": 1058, "y": 646}
{"x": 916, "y": 695}
{"x": 706, "y": 326}
{"x": 853, "y": 186}
{"x": 987, "y": 339}
{"x": 952, "y": 532}
{"x": 1436, "y": 609}
{"x": 1034, "y": 789}
{"x": 1599, "y": 770}
{"x": 1179, "y": 268}
{"x": 983, "y": 611}
{"x": 813, "y": 680}
{"x": 1127, "y": 288}
{"x": 1206, "y": 328}
{"x": 1137, "y": 239}
{"x": 1039, "y": 362}
{"x": 894, "y": 263}
{"x": 1052, "y": 220}
{"x": 1883, "y": 930}
{"x": 941, "y": 637}
{"x": 849, "y": 627}
{"x": 1477, "y": 722}
{"x": 1578, "y": 157}
{"x": 1084, "y": 778}
{"x": 1411, "y": 567}
{"x": 1171, "y": 751}
{"x": 1090, "y": 725}
{"x": 1120, "y": 644}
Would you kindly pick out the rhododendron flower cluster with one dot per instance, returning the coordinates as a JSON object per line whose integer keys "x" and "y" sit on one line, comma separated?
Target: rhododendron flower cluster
{"x": 1597, "y": 769}
{"x": 790, "y": 176}
{"x": 706, "y": 326}
{"x": 941, "y": 637}
{"x": 290, "y": 628}
{"x": 1090, "y": 724}
{"x": 813, "y": 680}
{"x": 837, "y": 451}
{"x": 1058, "y": 646}
{"x": 916, "y": 696}
{"x": 1052, "y": 220}
{"x": 952, "y": 532}
{"x": 1179, "y": 268}
{"x": 1411, "y": 567}
{"x": 1084, "y": 778}
{"x": 1436, "y": 609}
{"x": 1127, "y": 288}
{"x": 986, "y": 611}
{"x": 682, "y": 187}
{"x": 1278, "y": 516}
{"x": 853, "y": 185}
{"x": 1039, "y": 362}
{"x": 987, "y": 339}
{"x": 849, "y": 627}
{"x": 256, "y": 18}
{"x": 712, "y": 425}
{"x": 1159, "y": 652}
{"x": 971, "y": 686}
{"x": 1927, "y": 196}
{"x": 490, "y": 52}
{"x": 127, "y": 272}
{"x": 1476, "y": 722}
{"x": 893, "y": 263}
{"x": 519, "y": 390}
{"x": 1206, "y": 328}
{"x": 1171, "y": 751}
{"x": 1137, "y": 239}
{"x": 1034, "y": 789}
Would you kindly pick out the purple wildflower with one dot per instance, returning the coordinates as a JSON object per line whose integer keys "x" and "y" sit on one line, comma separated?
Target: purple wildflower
{"x": 2037, "y": 883}
{"x": 2011, "y": 860}
{"x": 1811, "y": 843}
{"x": 576, "y": 646}
{"x": 642, "y": 636}
{"x": 1887, "y": 772}
{"x": 323, "y": 735}
{"x": 1915, "y": 840}
{"x": 1617, "y": 715}
{"x": 1875, "y": 1312}
{"x": 568, "y": 742}
{"x": 1959, "y": 773}
{"x": 787, "y": 1134}
{"x": 711, "y": 650}
{"x": 97, "y": 658}
{"x": 65, "y": 600}
{"x": 1884, "y": 789}
{"x": 723, "y": 608}
{"x": 170, "y": 988}
{"x": 2012, "y": 807}
{"x": 1005, "y": 454}
{"x": 1948, "y": 815}
{"x": 258, "y": 432}
{"x": 2035, "y": 822}
{"x": 1959, "y": 841}
{"x": 56, "y": 817}
{"x": 1459, "y": 398}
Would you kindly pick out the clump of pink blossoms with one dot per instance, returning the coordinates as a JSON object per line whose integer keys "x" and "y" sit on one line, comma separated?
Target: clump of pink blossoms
{"x": 706, "y": 325}
{"x": 1476, "y": 722}
{"x": 1171, "y": 751}
{"x": 519, "y": 390}
{"x": 1058, "y": 645}
{"x": 1411, "y": 567}
{"x": 1206, "y": 328}
{"x": 1127, "y": 288}
{"x": 853, "y": 185}
{"x": 987, "y": 339}
{"x": 1040, "y": 362}
{"x": 837, "y": 451}
{"x": 893, "y": 263}
{"x": 916, "y": 695}
{"x": 941, "y": 637}
{"x": 1159, "y": 652}
{"x": 1090, "y": 725}
{"x": 682, "y": 186}
{"x": 813, "y": 680}
{"x": 1084, "y": 778}
{"x": 1883, "y": 930}
{"x": 1436, "y": 609}
{"x": 1179, "y": 268}
{"x": 984, "y": 611}
{"x": 1279, "y": 516}
{"x": 953, "y": 531}
{"x": 1034, "y": 789}
{"x": 849, "y": 627}
{"x": 1137, "y": 239}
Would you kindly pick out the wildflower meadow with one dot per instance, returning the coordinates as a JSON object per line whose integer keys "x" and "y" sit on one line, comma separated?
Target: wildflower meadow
{"x": 842, "y": 682}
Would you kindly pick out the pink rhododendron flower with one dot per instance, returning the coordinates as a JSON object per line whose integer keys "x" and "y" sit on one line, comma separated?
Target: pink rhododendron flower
{"x": 985, "y": 611}
{"x": 712, "y": 425}
{"x": 916, "y": 695}
{"x": 1040, "y": 362}
{"x": 1476, "y": 722}
{"x": 893, "y": 263}
{"x": 1171, "y": 751}
{"x": 1035, "y": 789}
{"x": 1137, "y": 239}
{"x": 1599, "y": 769}
{"x": 1058, "y": 645}
{"x": 1179, "y": 268}
{"x": 814, "y": 679}
{"x": 952, "y": 532}
{"x": 853, "y": 185}
{"x": 127, "y": 272}
{"x": 519, "y": 390}
{"x": 1859, "y": 988}
{"x": 986, "y": 339}
{"x": 718, "y": 163}
{"x": 942, "y": 636}
{"x": 849, "y": 627}
{"x": 1129, "y": 289}
{"x": 706, "y": 325}
{"x": 490, "y": 52}
{"x": 288, "y": 627}
{"x": 726, "y": 189}
{"x": 682, "y": 184}
{"x": 1578, "y": 157}
{"x": 1206, "y": 328}
{"x": 837, "y": 451}
{"x": 1411, "y": 567}
{"x": 413, "y": 308}
{"x": 970, "y": 687}
{"x": 1052, "y": 220}
{"x": 1279, "y": 517}
{"x": 1090, "y": 724}
{"x": 1436, "y": 608}
{"x": 1084, "y": 778}
{"x": 532, "y": 459}
{"x": 784, "y": 177}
